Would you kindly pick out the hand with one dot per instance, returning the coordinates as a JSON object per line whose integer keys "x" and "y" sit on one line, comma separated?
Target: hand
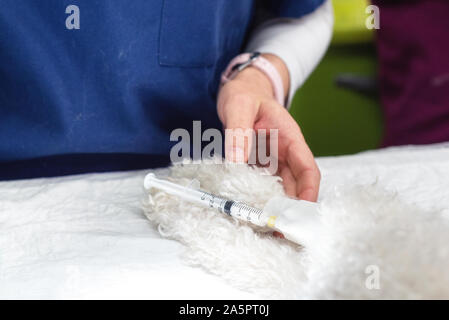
{"x": 247, "y": 102}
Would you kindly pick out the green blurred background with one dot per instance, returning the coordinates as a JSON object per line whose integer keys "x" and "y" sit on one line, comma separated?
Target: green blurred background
{"x": 339, "y": 119}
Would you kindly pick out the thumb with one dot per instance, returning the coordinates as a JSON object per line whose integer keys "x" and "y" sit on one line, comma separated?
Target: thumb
{"x": 239, "y": 118}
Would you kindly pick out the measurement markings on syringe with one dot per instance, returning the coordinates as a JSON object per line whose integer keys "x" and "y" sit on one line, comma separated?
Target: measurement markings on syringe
{"x": 251, "y": 213}
{"x": 232, "y": 208}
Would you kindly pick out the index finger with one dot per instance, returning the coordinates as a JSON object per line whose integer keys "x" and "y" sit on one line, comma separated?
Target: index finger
{"x": 305, "y": 171}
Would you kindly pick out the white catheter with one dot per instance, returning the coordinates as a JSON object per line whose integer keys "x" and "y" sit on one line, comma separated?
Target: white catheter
{"x": 297, "y": 220}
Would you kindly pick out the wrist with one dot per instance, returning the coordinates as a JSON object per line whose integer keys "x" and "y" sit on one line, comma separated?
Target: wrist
{"x": 272, "y": 69}
{"x": 281, "y": 67}
{"x": 255, "y": 77}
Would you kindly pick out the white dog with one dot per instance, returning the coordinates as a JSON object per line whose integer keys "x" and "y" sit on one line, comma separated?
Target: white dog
{"x": 371, "y": 244}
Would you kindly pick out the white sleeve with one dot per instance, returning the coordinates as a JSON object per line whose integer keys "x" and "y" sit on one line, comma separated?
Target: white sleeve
{"x": 300, "y": 43}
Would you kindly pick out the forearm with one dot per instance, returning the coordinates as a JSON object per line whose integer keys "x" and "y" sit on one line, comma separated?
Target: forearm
{"x": 295, "y": 46}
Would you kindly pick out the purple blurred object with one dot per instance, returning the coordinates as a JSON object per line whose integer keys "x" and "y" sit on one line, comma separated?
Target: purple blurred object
{"x": 413, "y": 48}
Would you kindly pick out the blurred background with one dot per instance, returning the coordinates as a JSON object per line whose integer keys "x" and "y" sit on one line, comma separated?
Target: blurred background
{"x": 338, "y": 108}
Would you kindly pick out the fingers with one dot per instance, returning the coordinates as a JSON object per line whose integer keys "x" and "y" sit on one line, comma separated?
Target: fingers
{"x": 240, "y": 111}
{"x": 304, "y": 170}
{"x": 288, "y": 180}
{"x": 307, "y": 188}
{"x": 239, "y": 115}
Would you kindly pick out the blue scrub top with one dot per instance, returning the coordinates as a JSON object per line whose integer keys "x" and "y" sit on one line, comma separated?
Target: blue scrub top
{"x": 107, "y": 95}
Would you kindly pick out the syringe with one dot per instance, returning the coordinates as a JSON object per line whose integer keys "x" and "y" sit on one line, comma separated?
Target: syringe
{"x": 232, "y": 208}
{"x": 297, "y": 220}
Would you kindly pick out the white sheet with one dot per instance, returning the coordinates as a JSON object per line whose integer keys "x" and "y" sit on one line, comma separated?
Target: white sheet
{"x": 86, "y": 237}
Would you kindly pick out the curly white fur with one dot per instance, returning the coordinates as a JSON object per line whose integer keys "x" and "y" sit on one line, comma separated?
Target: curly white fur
{"x": 363, "y": 226}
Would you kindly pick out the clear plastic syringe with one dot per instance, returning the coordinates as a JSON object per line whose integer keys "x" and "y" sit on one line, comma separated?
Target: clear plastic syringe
{"x": 232, "y": 208}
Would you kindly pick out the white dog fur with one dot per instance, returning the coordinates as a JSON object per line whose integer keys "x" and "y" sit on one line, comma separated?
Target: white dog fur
{"x": 368, "y": 232}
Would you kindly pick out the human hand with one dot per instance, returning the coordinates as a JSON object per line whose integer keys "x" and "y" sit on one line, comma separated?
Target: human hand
{"x": 248, "y": 102}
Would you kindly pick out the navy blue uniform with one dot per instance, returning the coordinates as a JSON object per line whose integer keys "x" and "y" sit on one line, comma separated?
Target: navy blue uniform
{"x": 107, "y": 95}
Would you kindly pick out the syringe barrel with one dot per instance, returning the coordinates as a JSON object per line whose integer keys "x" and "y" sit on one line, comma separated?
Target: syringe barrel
{"x": 235, "y": 209}
{"x": 185, "y": 193}
{"x": 242, "y": 211}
